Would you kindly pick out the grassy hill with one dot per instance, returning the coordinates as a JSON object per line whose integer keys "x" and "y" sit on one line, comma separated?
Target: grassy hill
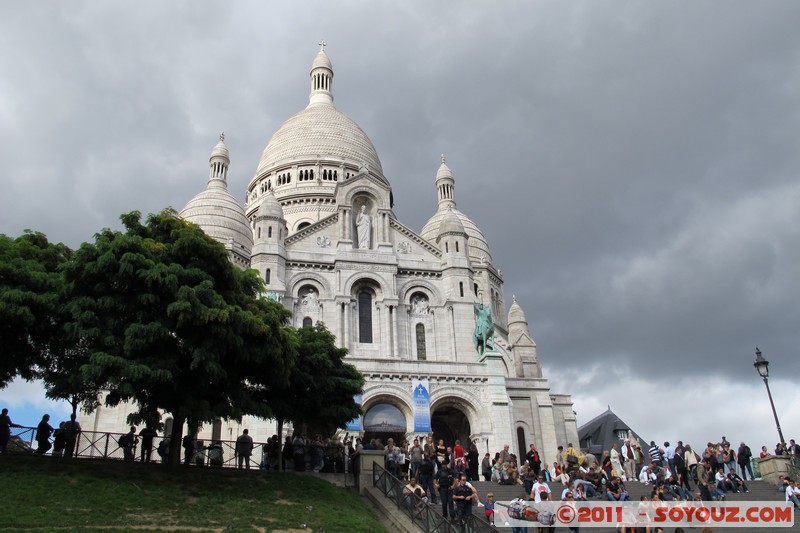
{"x": 52, "y": 494}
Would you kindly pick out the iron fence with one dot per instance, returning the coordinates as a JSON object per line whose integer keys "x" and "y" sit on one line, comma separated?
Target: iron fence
{"x": 105, "y": 445}
{"x": 423, "y": 515}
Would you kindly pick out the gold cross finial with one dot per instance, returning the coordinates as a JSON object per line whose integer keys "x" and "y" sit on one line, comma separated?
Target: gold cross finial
{"x": 322, "y": 46}
{"x": 443, "y": 159}
{"x": 222, "y": 136}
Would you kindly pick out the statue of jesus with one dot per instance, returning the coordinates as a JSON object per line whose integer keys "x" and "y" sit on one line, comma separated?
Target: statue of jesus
{"x": 363, "y": 225}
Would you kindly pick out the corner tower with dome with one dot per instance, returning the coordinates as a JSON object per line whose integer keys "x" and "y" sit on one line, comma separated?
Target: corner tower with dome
{"x": 318, "y": 225}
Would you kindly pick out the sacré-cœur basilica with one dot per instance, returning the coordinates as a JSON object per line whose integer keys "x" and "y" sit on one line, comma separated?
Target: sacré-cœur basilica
{"x": 417, "y": 310}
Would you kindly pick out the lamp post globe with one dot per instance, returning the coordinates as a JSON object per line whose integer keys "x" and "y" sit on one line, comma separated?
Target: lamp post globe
{"x": 762, "y": 367}
{"x": 761, "y": 364}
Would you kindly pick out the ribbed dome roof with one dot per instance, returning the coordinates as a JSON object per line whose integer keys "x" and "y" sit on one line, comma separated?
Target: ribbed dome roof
{"x": 322, "y": 60}
{"x": 220, "y": 150}
{"x": 477, "y": 242}
{"x": 218, "y": 213}
{"x": 319, "y": 131}
{"x": 270, "y": 207}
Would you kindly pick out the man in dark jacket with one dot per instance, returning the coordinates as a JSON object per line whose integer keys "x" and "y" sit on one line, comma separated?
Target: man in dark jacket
{"x": 743, "y": 458}
{"x": 43, "y": 432}
{"x": 444, "y": 483}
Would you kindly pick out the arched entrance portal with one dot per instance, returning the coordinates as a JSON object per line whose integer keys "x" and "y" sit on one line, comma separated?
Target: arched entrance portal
{"x": 448, "y": 422}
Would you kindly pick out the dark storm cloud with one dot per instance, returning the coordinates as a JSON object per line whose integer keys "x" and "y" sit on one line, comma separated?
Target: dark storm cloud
{"x": 634, "y": 166}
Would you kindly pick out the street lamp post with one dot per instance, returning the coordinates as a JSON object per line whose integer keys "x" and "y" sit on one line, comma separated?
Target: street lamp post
{"x": 762, "y": 366}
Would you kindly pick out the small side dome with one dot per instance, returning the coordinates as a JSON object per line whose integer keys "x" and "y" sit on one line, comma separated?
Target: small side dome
{"x": 478, "y": 247}
{"x": 515, "y": 314}
{"x": 270, "y": 207}
{"x": 218, "y": 213}
{"x": 450, "y": 223}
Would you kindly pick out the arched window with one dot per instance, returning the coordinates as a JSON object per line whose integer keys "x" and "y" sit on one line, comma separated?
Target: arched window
{"x": 259, "y": 232}
{"x": 365, "y": 317}
{"x": 267, "y": 276}
{"x": 461, "y": 288}
{"x": 307, "y": 322}
{"x": 456, "y": 246}
{"x": 446, "y": 247}
{"x": 475, "y": 288}
{"x": 421, "y": 351}
{"x": 269, "y": 232}
{"x": 303, "y": 225}
{"x": 521, "y": 442}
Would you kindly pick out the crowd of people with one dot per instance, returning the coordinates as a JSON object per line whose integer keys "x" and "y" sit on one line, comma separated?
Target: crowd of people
{"x": 438, "y": 473}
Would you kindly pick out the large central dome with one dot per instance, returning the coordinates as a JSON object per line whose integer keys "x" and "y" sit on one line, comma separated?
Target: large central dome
{"x": 319, "y": 131}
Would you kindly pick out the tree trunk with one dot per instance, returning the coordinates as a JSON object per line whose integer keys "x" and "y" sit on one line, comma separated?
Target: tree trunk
{"x": 280, "y": 445}
{"x": 175, "y": 441}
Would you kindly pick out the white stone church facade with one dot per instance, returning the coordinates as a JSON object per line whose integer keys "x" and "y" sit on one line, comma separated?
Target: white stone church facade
{"x": 318, "y": 225}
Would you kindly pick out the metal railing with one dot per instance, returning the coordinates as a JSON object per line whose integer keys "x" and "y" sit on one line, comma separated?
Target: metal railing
{"x": 103, "y": 445}
{"x": 422, "y": 514}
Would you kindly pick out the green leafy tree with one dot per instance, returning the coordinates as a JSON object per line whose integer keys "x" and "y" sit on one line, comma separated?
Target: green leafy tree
{"x": 31, "y": 287}
{"x": 321, "y": 385}
{"x": 170, "y": 324}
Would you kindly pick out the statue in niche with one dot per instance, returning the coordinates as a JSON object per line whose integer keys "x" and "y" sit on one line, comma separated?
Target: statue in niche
{"x": 419, "y": 305}
{"x": 483, "y": 338}
{"x": 310, "y": 299}
{"x": 363, "y": 227}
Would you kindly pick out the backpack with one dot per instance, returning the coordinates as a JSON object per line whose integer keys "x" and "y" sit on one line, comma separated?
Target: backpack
{"x": 124, "y": 441}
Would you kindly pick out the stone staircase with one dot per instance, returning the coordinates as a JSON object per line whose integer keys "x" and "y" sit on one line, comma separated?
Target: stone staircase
{"x": 759, "y": 491}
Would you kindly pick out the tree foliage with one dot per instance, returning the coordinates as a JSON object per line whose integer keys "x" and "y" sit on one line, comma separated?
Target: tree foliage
{"x": 170, "y": 324}
{"x": 321, "y": 384}
{"x": 31, "y": 288}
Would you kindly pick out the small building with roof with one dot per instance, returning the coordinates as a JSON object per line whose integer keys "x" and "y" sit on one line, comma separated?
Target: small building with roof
{"x": 605, "y": 429}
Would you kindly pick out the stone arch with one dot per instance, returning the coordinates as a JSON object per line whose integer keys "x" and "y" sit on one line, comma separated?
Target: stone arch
{"x": 434, "y": 295}
{"x": 312, "y": 278}
{"x": 302, "y": 224}
{"x": 453, "y": 397}
{"x": 379, "y": 284}
{"x": 366, "y": 190}
{"x": 529, "y": 437}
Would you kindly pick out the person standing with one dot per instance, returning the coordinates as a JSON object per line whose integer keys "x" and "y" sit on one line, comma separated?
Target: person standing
{"x": 444, "y": 483}
{"x": 244, "y": 449}
{"x": 188, "y": 448}
{"x": 128, "y": 444}
{"x": 5, "y": 429}
{"x": 743, "y": 458}
{"x": 147, "y": 434}
{"x": 629, "y": 457}
{"x": 463, "y": 497}
{"x": 486, "y": 467}
{"x": 72, "y": 431}
{"x": 460, "y": 459}
{"x": 43, "y": 432}
{"x": 415, "y": 454}
{"x": 534, "y": 461}
{"x": 426, "y": 470}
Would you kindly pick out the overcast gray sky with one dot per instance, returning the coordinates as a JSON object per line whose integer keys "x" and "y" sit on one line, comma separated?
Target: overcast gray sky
{"x": 633, "y": 165}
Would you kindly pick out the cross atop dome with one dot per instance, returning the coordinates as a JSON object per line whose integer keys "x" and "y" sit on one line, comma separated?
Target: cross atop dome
{"x": 322, "y": 45}
{"x": 443, "y": 160}
{"x": 222, "y": 136}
